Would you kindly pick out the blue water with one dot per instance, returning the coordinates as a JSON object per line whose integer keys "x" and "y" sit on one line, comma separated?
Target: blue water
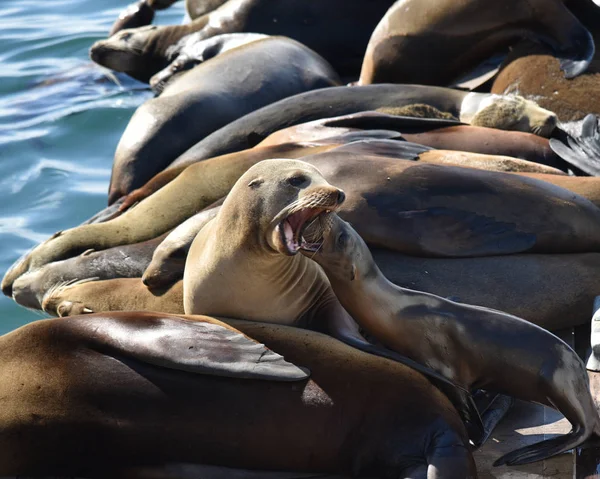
{"x": 61, "y": 117}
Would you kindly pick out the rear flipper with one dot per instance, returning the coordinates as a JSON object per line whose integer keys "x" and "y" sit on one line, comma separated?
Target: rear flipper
{"x": 544, "y": 449}
{"x": 582, "y": 152}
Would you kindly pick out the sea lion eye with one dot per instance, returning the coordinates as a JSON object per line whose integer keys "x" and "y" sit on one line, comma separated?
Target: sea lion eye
{"x": 297, "y": 180}
{"x": 341, "y": 240}
{"x": 126, "y": 36}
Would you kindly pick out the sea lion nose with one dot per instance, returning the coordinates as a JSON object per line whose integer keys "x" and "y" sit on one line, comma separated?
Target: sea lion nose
{"x": 341, "y": 197}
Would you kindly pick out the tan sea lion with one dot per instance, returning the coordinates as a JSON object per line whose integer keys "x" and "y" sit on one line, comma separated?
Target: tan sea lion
{"x": 98, "y": 394}
{"x": 487, "y": 218}
{"x": 145, "y": 51}
{"x": 508, "y": 113}
{"x": 433, "y": 42}
{"x": 473, "y": 346}
{"x": 229, "y": 86}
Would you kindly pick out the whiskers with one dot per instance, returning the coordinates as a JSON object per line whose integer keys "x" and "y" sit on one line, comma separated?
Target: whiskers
{"x": 52, "y": 295}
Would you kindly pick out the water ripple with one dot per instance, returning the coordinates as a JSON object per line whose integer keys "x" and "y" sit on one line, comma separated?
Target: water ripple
{"x": 61, "y": 118}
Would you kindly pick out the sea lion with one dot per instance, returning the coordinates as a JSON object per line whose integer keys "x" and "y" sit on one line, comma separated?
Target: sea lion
{"x": 532, "y": 71}
{"x": 192, "y": 52}
{"x": 490, "y": 141}
{"x": 145, "y": 51}
{"x": 473, "y": 346}
{"x": 248, "y": 131}
{"x": 168, "y": 259}
{"x": 94, "y": 395}
{"x": 126, "y": 261}
{"x": 266, "y": 203}
{"x": 443, "y": 39}
{"x": 135, "y": 15}
{"x": 407, "y": 206}
{"x": 558, "y": 288}
{"x": 229, "y": 86}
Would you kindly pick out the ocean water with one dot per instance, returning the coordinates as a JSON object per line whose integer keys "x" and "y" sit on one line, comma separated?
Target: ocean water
{"x": 61, "y": 117}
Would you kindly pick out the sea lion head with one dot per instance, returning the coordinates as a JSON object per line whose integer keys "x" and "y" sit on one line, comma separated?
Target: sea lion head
{"x": 507, "y": 112}
{"x": 135, "y": 51}
{"x": 274, "y": 202}
{"x": 337, "y": 247}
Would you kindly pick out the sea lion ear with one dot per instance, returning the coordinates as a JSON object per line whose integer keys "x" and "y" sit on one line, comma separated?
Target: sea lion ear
{"x": 353, "y": 272}
{"x": 201, "y": 347}
{"x": 256, "y": 183}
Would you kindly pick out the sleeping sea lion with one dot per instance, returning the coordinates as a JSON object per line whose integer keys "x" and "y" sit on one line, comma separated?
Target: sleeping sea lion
{"x": 435, "y": 134}
{"x": 125, "y": 261}
{"x": 435, "y": 42}
{"x": 143, "y": 52}
{"x": 94, "y": 395}
{"x": 487, "y": 218}
{"x": 473, "y": 346}
{"x": 229, "y": 86}
{"x": 479, "y": 109}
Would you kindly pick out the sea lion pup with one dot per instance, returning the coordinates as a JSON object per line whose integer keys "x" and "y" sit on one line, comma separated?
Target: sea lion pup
{"x": 445, "y": 41}
{"x": 100, "y": 393}
{"x": 473, "y": 346}
{"x": 486, "y": 218}
{"x": 251, "y": 129}
{"x": 143, "y": 52}
{"x": 229, "y": 86}
{"x": 192, "y": 52}
{"x": 435, "y": 134}
{"x": 168, "y": 259}
{"x": 136, "y": 15}
{"x": 126, "y": 261}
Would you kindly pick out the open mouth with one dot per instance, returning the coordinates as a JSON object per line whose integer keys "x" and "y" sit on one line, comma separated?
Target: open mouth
{"x": 303, "y": 229}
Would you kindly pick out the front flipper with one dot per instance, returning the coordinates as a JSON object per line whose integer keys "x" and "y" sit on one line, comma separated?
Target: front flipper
{"x": 203, "y": 346}
{"x": 344, "y": 328}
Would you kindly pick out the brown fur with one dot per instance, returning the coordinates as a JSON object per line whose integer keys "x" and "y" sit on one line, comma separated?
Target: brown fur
{"x": 531, "y": 70}
{"x": 75, "y": 405}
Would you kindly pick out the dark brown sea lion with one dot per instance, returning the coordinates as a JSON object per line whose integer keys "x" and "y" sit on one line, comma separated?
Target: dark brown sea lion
{"x": 143, "y": 52}
{"x": 486, "y": 110}
{"x": 126, "y": 261}
{"x": 473, "y": 346}
{"x": 408, "y": 206}
{"x": 94, "y": 395}
{"x": 435, "y": 42}
{"x": 229, "y": 86}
